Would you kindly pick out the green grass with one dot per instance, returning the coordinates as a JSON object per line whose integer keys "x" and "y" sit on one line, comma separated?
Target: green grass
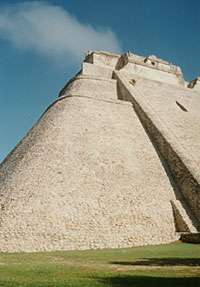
{"x": 163, "y": 266}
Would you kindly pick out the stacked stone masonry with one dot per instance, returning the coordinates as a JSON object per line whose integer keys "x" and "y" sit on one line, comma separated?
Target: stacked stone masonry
{"x": 99, "y": 169}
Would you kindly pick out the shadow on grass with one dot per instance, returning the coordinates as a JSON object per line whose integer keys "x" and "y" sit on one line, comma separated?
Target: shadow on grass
{"x": 161, "y": 262}
{"x": 143, "y": 281}
{"x": 114, "y": 281}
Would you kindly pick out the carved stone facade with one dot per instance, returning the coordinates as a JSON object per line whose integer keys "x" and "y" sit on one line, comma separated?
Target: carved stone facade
{"x": 113, "y": 162}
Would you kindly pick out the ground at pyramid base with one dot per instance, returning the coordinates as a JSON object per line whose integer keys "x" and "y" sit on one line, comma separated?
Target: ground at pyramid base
{"x": 113, "y": 162}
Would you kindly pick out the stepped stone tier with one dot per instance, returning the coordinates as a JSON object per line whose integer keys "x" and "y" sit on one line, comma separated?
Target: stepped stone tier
{"x": 113, "y": 162}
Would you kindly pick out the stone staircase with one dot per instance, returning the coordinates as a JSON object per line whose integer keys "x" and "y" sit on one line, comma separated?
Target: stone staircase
{"x": 186, "y": 224}
{"x": 186, "y": 211}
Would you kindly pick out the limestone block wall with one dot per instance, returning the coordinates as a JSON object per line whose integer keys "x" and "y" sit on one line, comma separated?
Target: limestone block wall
{"x": 191, "y": 238}
{"x": 180, "y": 166}
{"x": 86, "y": 176}
{"x": 102, "y": 59}
{"x": 144, "y": 71}
{"x": 97, "y": 71}
{"x": 152, "y": 68}
{"x": 91, "y": 86}
{"x": 183, "y": 222}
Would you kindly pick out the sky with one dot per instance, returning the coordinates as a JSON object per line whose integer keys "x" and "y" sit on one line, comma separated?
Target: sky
{"x": 43, "y": 43}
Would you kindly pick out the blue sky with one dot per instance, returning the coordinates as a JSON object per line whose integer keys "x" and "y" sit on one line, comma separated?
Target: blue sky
{"x": 42, "y": 45}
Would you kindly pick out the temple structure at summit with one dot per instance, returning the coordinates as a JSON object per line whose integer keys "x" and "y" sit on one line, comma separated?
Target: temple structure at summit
{"x": 113, "y": 162}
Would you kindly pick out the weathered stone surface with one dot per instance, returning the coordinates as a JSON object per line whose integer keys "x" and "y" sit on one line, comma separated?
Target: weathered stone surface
{"x": 170, "y": 129}
{"x": 183, "y": 222}
{"x": 191, "y": 237}
{"x": 195, "y": 84}
{"x": 93, "y": 172}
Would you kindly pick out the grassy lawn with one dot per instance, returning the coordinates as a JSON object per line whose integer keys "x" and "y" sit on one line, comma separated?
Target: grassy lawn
{"x": 163, "y": 266}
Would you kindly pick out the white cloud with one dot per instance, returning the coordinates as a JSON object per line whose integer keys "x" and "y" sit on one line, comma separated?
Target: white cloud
{"x": 52, "y": 30}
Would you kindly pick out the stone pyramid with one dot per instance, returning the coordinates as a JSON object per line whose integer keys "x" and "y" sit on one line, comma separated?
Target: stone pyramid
{"x": 113, "y": 162}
